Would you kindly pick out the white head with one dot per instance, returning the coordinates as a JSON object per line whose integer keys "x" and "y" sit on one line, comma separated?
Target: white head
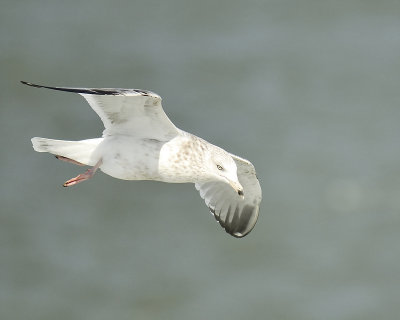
{"x": 222, "y": 167}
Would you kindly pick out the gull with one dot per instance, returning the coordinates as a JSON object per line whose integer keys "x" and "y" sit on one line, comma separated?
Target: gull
{"x": 139, "y": 142}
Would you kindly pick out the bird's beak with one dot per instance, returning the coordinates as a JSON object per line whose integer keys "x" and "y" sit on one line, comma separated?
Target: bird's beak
{"x": 237, "y": 187}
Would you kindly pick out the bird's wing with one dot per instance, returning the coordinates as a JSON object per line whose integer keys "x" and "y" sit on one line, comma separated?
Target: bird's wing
{"x": 126, "y": 111}
{"x": 236, "y": 215}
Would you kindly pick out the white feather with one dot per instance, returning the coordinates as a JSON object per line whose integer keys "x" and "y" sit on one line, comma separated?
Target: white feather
{"x": 81, "y": 151}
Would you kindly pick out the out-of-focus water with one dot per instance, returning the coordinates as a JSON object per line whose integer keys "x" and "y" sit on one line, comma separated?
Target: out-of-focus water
{"x": 307, "y": 90}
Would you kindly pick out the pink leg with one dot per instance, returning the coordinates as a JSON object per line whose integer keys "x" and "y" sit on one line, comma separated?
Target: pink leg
{"x": 69, "y": 160}
{"x": 83, "y": 176}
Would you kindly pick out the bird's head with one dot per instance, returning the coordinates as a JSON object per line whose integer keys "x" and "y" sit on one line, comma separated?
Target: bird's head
{"x": 223, "y": 168}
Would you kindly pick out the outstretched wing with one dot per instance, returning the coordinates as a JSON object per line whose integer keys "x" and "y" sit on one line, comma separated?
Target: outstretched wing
{"x": 126, "y": 111}
{"x": 236, "y": 215}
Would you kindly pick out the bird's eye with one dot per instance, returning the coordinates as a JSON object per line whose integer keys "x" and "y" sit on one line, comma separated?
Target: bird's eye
{"x": 219, "y": 167}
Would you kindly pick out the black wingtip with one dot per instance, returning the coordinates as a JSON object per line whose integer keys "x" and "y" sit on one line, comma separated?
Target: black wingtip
{"x": 79, "y": 90}
{"x": 96, "y": 91}
{"x": 28, "y": 83}
{"x": 34, "y": 85}
{"x": 76, "y": 90}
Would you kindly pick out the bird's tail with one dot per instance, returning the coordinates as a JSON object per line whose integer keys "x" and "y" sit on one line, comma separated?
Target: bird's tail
{"x": 80, "y": 151}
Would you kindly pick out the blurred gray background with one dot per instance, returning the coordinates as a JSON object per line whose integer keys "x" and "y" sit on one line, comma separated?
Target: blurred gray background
{"x": 307, "y": 90}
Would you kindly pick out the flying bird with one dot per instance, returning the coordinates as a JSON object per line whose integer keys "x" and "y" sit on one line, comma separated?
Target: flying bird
{"x": 140, "y": 142}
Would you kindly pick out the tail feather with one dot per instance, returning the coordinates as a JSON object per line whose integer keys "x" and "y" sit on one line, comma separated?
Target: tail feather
{"x": 80, "y": 151}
